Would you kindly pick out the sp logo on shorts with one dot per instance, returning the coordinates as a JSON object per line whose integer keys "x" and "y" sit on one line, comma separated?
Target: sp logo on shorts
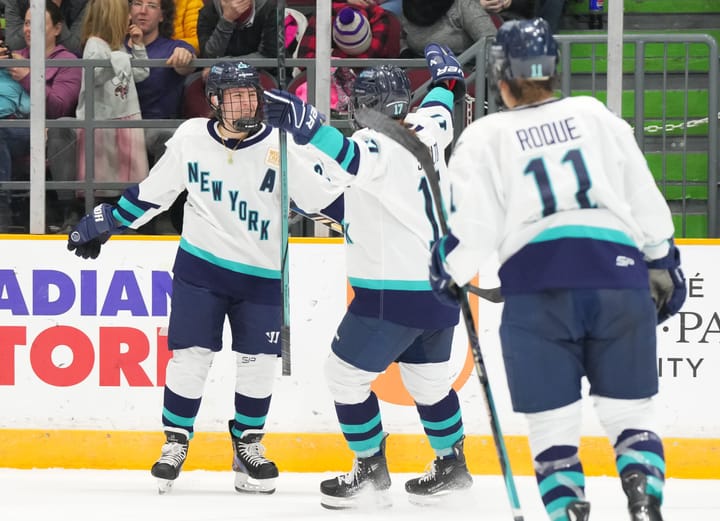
{"x": 624, "y": 262}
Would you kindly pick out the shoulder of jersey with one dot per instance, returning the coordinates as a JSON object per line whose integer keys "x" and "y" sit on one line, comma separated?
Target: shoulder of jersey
{"x": 412, "y": 117}
{"x": 586, "y": 102}
{"x": 193, "y": 126}
{"x": 488, "y": 122}
{"x": 364, "y": 134}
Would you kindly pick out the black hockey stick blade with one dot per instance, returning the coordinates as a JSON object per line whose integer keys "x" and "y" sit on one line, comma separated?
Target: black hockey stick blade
{"x": 318, "y": 217}
{"x": 490, "y": 294}
{"x": 379, "y": 122}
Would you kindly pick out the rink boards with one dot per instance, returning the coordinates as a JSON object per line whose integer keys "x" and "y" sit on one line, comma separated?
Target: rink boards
{"x": 83, "y": 352}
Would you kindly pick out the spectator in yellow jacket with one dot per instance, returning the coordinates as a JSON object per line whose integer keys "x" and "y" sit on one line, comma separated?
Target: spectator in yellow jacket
{"x": 186, "y": 17}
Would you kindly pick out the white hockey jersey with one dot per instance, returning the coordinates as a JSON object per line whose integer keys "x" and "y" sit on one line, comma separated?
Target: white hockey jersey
{"x": 390, "y": 221}
{"x": 232, "y": 222}
{"x": 564, "y": 195}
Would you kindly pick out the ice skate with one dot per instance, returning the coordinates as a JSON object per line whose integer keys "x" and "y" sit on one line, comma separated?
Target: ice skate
{"x": 366, "y": 485}
{"x": 254, "y": 473}
{"x": 445, "y": 476}
{"x": 167, "y": 468}
{"x": 578, "y": 511}
{"x": 642, "y": 506}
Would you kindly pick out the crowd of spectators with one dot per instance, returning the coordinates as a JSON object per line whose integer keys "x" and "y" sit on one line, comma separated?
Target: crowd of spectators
{"x": 73, "y": 13}
{"x": 62, "y": 89}
{"x": 179, "y": 31}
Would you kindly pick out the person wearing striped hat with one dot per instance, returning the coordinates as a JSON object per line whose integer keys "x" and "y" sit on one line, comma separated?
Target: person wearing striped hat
{"x": 361, "y": 32}
{"x": 351, "y": 31}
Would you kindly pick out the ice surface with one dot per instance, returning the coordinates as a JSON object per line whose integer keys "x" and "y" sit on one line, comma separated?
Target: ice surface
{"x": 84, "y": 495}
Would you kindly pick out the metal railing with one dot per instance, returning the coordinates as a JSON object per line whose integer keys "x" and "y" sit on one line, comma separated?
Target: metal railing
{"x": 670, "y": 140}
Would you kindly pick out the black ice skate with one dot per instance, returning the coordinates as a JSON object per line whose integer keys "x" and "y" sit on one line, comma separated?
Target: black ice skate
{"x": 642, "y": 506}
{"x": 254, "y": 473}
{"x": 578, "y": 511}
{"x": 366, "y": 485}
{"x": 446, "y": 475}
{"x": 167, "y": 468}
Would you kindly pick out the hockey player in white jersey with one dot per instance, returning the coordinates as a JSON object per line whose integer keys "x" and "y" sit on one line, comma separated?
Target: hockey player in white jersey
{"x": 561, "y": 191}
{"x": 227, "y": 264}
{"x": 389, "y": 227}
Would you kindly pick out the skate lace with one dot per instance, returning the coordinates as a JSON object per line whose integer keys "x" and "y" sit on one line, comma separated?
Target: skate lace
{"x": 351, "y": 476}
{"x": 429, "y": 475}
{"x": 173, "y": 453}
{"x": 253, "y": 453}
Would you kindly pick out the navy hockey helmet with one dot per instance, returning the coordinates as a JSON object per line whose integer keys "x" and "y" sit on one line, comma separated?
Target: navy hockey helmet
{"x": 384, "y": 88}
{"x": 228, "y": 75}
{"x": 523, "y": 49}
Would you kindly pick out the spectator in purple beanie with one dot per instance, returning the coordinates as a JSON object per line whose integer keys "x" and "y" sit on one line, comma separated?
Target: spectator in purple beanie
{"x": 358, "y": 32}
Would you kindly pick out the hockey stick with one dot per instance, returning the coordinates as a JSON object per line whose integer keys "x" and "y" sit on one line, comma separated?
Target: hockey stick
{"x": 380, "y": 123}
{"x": 490, "y": 294}
{"x": 284, "y": 204}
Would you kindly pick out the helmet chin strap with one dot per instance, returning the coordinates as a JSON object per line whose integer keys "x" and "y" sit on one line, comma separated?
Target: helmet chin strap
{"x": 233, "y": 129}
{"x": 229, "y": 127}
{"x": 247, "y": 125}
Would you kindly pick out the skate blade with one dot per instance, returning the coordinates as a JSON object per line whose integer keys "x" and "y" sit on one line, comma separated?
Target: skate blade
{"x": 365, "y": 500}
{"x": 443, "y": 498}
{"x": 247, "y": 485}
{"x": 164, "y": 486}
{"x": 428, "y": 501}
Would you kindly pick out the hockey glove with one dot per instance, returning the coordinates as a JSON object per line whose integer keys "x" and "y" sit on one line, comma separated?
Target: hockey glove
{"x": 445, "y": 69}
{"x": 288, "y": 112}
{"x": 92, "y": 232}
{"x": 667, "y": 284}
{"x": 444, "y": 288}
